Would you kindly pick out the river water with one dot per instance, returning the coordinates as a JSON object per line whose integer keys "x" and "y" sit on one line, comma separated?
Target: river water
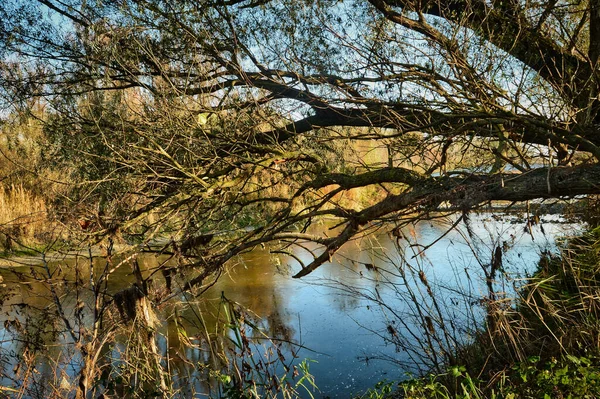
{"x": 359, "y": 319}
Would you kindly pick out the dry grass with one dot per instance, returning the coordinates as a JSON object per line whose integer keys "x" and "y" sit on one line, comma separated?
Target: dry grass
{"x": 23, "y": 216}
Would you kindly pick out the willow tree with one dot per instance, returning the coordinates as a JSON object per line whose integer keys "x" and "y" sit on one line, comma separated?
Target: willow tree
{"x": 202, "y": 116}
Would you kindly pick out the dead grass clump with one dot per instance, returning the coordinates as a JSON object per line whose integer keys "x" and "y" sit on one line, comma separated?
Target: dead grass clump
{"x": 23, "y": 216}
{"x": 556, "y": 314}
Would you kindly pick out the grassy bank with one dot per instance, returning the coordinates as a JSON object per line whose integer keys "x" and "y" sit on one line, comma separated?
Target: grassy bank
{"x": 544, "y": 344}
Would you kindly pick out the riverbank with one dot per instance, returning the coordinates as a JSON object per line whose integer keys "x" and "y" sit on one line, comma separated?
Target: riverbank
{"x": 552, "y": 211}
{"x": 34, "y": 257}
{"x": 545, "y": 344}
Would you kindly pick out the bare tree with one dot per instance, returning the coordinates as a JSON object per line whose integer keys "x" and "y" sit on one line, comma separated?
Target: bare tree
{"x": 200, "y": 117}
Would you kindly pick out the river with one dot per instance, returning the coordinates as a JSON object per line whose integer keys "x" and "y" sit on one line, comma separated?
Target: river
{"x": 358, "y": 319}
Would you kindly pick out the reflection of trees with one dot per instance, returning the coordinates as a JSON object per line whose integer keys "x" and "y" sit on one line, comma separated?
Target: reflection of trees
{"x": 431, "y": 285}
{"x": 33, "y": 349}
{"x": 58, "y": 323}
{"x": 411, "y": 308}
{"x": 386, "y": 269}
{"x": 260, "y": 290}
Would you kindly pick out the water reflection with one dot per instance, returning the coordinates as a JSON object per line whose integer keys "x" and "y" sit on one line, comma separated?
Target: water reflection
{"x": 374, "y": 300}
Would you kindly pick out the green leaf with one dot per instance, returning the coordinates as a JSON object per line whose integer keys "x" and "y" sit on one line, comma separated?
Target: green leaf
{"x": 574, "y": 359}
{"x": 456, "y": 371}
{"x": 203, "y": 118}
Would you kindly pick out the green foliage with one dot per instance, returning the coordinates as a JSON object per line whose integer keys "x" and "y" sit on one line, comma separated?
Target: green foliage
{"x": 441, "y": 386}
{"x": 567, "y": 377}
{"x": 91, "y": 147}
{"x": 382, "y": 390}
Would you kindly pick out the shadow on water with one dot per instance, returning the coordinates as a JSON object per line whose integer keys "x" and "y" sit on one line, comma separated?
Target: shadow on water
{"x": 355, "y": 318}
